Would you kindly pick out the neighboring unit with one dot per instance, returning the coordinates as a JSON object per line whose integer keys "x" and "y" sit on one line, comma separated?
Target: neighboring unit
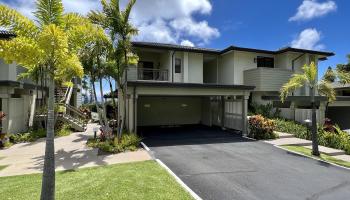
{"x": 178, "y": 85}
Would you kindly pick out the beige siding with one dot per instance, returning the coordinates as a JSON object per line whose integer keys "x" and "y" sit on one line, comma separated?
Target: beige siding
{"x": 195, "y": 68}
{"x": 266, "y": 79}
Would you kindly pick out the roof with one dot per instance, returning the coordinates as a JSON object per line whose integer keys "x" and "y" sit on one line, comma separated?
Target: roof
{"x": 6, "y": 34}
{"x": 174, "y": 47}
{"x": 230, "y": 48}
{"x": 189, "y": 85}
{"x": 338, "y": 85}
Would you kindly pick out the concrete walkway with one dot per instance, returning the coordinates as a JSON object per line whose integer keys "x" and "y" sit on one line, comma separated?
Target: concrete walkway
{"x": 289, "y": 139}
{"x": 71, "y": 153}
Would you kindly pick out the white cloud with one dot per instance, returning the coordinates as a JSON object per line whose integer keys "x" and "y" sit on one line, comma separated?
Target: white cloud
{"x": 172, "y": 21}
{"x": 310, "y": 9}
{"x": 169, "y": 21}
{"x": 308, "y": 39}
{"x": 187, "y": 43}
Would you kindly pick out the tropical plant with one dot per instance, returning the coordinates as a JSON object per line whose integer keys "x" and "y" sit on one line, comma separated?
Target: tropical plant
{"x": 261, "y": 128}
{"x": 52, "y": 42}
{"x": 329, "y": 75}
{"x": 117, "y": 23}
{"x": 309, "y": 79}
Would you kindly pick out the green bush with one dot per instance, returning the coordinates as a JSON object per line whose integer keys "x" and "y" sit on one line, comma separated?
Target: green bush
{"x": 64, "y": 130}
{"x": 338, "y": 139}
{"x": 261, "y": 128}
{"x": 128, "y": 142}
{"x": 31, "y": 136}
{"x": 267, "y": 110}
{"x": 287, "y": 126}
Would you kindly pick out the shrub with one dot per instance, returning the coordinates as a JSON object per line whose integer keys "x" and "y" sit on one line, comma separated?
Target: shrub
{"x": 261, "y": 128}
{"x": 31, "y": 136}
{"x": 267, "y": 110}
{"x": 287, "y": 126}
{"x": 128, "y": 142}
{"x": 64, "y": 130}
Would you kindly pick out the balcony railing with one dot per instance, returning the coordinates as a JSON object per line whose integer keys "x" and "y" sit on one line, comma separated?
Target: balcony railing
{"x": 145, "y": 74}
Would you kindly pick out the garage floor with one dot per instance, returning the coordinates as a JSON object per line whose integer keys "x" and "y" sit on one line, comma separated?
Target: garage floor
{"x": 220, "y": 165}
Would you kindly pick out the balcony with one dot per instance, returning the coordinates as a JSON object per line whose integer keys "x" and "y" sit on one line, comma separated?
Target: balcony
{"x": 267, "y": 79}
{"x": 146, "y": 74}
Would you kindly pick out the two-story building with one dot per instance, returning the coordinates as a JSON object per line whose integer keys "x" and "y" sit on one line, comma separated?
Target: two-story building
{"x": 178, "y": 85}
{"x": 19, "y": 99}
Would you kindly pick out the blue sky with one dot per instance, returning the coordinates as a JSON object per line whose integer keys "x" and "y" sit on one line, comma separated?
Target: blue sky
{"x": 268, "y": 24}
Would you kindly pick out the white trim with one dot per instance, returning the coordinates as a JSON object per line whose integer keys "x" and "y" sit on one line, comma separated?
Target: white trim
{"x": 280, "y": 147}
{"x": 192, "y": 193}
{"x": 145, "y": 146}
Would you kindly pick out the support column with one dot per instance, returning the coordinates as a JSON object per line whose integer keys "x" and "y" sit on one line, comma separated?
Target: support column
{"x": 223, "y": 112}
{"x": 244, "y": 115}
{"x": 321, "y": 113}
{"x": 292, "y": 108}
{"x": 135, "y": 113}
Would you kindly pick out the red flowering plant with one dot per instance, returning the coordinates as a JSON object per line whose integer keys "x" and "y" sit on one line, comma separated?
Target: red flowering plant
{"x": 261, "y": 128}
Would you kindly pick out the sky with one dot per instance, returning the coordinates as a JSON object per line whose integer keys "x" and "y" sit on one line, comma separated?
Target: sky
{"x": 269, "y": 24}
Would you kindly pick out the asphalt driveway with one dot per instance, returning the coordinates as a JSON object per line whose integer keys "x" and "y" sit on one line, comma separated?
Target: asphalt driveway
{"x": 220, "y": 165}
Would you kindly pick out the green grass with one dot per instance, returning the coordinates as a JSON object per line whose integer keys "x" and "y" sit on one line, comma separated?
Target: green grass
{"x": 323, "y": 157}
{"x": 140, "y": 180}
{"x": 2, "y": 167}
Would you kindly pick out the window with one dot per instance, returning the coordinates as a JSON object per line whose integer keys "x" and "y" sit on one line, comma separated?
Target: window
{"x": 177, "y": 65}
{"x": 265, "y": 62}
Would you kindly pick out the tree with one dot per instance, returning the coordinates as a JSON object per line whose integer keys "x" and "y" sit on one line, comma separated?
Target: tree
{"x": 329, "y": 75}
{"x": 309, "y": 79}
{"x": 117, "y": 24}
{"x": 344, "y": 67}
{"x": 52, "y": 43}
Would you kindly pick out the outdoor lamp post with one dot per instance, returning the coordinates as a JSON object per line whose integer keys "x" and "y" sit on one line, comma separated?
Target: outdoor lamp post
{"x": 95, "y": 129}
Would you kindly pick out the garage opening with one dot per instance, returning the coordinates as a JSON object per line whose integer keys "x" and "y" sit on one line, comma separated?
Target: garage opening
{"x": 189, "y": 111}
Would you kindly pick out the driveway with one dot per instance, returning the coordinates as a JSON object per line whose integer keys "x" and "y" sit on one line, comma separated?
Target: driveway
{"x": 71, "y": 153}
{"x": 220, "y": 165}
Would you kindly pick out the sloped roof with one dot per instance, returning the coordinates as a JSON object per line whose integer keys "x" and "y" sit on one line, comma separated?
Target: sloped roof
{"x": 6, "y": 34}
{"x": 230, "y": 48}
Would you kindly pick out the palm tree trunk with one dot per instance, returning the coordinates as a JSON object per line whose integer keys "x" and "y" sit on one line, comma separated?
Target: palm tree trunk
{"x": 48, "y": 180}
{"x": 315, "y": 151}
{"x": 114, "y": 104}
{"x": 103, "y": 104}
{"x": 95, "y": 98}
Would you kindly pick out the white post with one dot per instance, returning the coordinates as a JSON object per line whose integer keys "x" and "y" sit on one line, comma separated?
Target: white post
{"x": 244, "y": 115}
{"x": 32, "y": 110}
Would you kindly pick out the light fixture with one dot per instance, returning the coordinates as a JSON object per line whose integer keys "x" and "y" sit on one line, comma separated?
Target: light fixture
{"x": 147, "y": 105}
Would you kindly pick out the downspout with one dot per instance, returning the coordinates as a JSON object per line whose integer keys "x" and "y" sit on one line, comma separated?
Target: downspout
{"x": 172, "y": 66}
{"x": 295, "y": 59}
{"x": 293, "y": 63}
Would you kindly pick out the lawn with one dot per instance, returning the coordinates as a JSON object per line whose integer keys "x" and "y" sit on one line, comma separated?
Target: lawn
{"x": 324, "y": 157}
{"x": 141, "y": 180}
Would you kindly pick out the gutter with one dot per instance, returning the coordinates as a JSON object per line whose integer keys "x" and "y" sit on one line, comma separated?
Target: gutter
{"x": 295, "y": 59}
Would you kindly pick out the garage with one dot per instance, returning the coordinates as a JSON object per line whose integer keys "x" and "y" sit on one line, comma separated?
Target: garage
{"x": 186, "y": 104}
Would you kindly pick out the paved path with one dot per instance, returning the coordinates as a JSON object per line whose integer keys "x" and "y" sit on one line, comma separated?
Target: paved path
{"x": 289, "y": 139}
{"x": 219, "y": 165}
{"x": 71, "y": 153}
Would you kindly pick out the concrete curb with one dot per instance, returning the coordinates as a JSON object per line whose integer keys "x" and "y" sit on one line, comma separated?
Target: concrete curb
{"x": 178, "y": 180}
{"x": 300, "y": 154}
{"x": 189, "y": 190}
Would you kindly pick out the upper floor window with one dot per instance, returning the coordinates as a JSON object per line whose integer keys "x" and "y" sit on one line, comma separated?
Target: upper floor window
{"x": 265, "y": 62}
{"x": 177, "y": 65}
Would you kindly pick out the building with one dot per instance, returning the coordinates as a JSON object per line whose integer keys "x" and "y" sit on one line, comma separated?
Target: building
{"x": 179, "y": 85}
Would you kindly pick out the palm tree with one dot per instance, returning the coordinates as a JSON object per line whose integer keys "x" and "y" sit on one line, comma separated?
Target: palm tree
{"x": 309, "y": 79}
{"x": 117, "y": 24}
{"x": 51, "y": 43}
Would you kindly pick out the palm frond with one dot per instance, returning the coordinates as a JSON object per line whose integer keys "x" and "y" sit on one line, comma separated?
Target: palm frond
{"x": 297, "y": 81}
{"x": 17, "y": 23}
{"x": 325, "y": 89}
{"x": 49, "y": 12}
{"x": 343, "y": 76}
{"x": 310, "y": 72}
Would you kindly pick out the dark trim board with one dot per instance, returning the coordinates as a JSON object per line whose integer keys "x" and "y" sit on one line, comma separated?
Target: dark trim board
{"x": 30, "y": 86}
{"x": 189, "y": 85}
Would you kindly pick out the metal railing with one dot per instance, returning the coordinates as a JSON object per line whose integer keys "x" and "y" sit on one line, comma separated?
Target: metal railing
{"x": 145, "y": 74}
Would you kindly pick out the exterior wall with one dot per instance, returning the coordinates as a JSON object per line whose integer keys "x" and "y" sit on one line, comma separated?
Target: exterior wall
{"x": 8, "y": 71}
{"x": 226, "y": 68}
{"x": 154, "y": 111}
{"x": 210, "y": 72}
{"x": 267, "y": 79}
{"x": 195, "y": 68}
